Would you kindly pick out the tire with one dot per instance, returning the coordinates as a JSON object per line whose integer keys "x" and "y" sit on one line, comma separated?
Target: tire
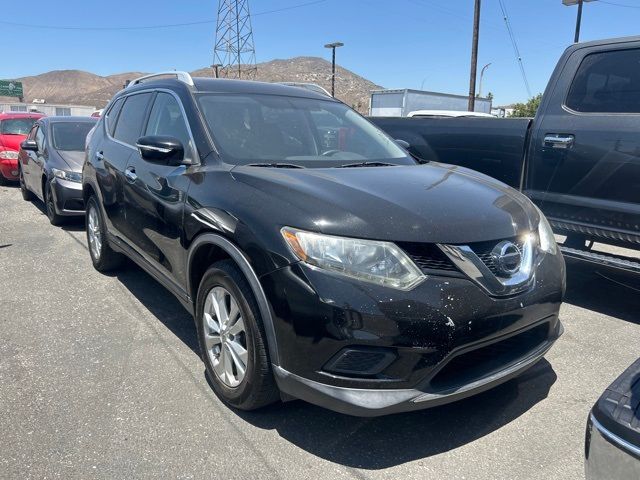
{"x": 50, "y": 206}
{"x": 257, "y": 387}
{"x": 103, "y": 257}
{"x": 26, "y": 193}
{"x": 3, "y": 181}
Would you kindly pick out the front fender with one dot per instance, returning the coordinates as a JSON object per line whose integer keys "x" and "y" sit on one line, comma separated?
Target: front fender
{"x": 245, "y": 266}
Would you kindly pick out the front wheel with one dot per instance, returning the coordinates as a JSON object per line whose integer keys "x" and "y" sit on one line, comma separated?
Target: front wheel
{"x": 103, "y": 257}
{"x": 53, "y": 216}
{"x": 26, "y": 193}
{"x": 232, "y": 339}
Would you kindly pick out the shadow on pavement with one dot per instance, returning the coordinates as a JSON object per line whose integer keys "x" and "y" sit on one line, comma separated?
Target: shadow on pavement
{"x": 370, "y": 443}
{"x": 382, "y": 442}
{"x": 603, "y": 290}
{"x": 161, "y": 303}
{"x": 377, "y": 443}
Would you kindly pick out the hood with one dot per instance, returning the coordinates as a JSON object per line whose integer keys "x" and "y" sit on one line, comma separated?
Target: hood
{"x": 11, "y": 142}
{"x": 433, "y": 203}
{"x": 73, "y": 159}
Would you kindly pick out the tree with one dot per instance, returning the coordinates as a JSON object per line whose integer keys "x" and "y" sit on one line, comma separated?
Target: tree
{"x": 528, "y": 109}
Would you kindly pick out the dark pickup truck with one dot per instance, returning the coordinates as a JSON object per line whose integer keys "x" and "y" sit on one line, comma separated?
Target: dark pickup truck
{"x": 578, "y": 159}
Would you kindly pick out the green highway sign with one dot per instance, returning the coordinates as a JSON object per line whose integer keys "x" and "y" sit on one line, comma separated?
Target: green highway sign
{"x": 9, "y": 88}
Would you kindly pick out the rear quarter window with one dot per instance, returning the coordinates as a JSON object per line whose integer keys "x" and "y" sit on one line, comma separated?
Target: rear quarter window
{"x": 112, "y": 116}
{"x": 129, "y": 125}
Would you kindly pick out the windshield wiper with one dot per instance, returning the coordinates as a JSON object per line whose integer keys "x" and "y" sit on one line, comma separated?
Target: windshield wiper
{"x": 275, "y": 165}
{"x": 367, "y": 164}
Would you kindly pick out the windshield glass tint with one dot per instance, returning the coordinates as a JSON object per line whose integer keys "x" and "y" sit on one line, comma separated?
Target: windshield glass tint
{"x": 16, "y": 126}
{"x": 70, "y": 135}
{"x": 304, "y": 131}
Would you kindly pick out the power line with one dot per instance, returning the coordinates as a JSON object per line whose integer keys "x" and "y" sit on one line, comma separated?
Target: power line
{"x": 151, "y": 27}
{"x": 619, "y": 4}
{"x": 515, "y": 47}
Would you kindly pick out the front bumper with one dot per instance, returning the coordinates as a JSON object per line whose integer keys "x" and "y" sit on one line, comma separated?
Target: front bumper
{"x": 609, "y": 457}
{"x": 442, "y": 341}
{"x": 67, "y": 197}
{"x": 9, "y": 169}
{"x": 612, "y": 443}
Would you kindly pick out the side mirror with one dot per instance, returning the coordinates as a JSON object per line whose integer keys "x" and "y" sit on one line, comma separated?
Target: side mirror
{"x": 29, "y": 145}
{"x": 404, "y": 144}
{"x": 161, "y": 149}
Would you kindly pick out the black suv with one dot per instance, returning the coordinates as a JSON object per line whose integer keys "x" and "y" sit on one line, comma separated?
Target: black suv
{"x": 319, "y": 259}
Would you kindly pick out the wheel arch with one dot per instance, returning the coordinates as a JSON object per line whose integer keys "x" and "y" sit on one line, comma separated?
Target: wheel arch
{"x": 210, "y": 247}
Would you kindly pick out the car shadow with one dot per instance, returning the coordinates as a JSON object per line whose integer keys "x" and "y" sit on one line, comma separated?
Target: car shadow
{"x": 160, "y": 302}
{"x": 383, "y": 442}
{"x": 607, "y": 291}
{"x": 369, "y": 443}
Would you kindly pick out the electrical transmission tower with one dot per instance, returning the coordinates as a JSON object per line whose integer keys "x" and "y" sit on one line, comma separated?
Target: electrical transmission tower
{"x": 234, "y": 51}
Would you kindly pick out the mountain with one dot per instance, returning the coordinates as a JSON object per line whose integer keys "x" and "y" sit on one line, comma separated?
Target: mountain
{"x": 77, "y": 87}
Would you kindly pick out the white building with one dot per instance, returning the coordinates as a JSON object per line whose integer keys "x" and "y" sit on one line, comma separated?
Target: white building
{"x": 49, "y": 109}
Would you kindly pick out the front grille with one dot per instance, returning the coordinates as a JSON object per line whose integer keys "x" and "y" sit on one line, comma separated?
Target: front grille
{"x": 428, "y": 257}
{"x": 475, "y": 364}
{"x": 483, "y": 251}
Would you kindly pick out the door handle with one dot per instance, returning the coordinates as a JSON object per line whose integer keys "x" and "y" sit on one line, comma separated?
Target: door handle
{"x": 99, "y": 156}
{"x": 555, "y": 140}
{"x": 130, "y": 174}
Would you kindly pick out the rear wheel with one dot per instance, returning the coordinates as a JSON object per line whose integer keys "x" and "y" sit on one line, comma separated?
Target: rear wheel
{"x": 232, "y": 339}
{"x": 103, "y": 257}
{"x": 53, "y": 216}
{"x": 26, "y": 193}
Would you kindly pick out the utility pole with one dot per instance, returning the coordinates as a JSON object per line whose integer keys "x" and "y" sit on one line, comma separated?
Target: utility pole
{"x": 216, "y": 72}
{"x": 474, "y": 57}
{"x": 333, "y": 47}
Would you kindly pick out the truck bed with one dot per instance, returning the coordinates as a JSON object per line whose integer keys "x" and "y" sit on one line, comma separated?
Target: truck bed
{"x": 494, "y": 146}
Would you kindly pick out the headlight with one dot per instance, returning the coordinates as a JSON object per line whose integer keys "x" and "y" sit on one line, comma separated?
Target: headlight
{"x": 70, "y": 176}
{"x": 382, "y": 263}
{"x": 545, "y": 235}
{"x": 9, "y": 155}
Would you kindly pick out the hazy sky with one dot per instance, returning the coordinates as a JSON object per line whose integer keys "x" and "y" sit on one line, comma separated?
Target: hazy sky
{"x": 395, "y": 43}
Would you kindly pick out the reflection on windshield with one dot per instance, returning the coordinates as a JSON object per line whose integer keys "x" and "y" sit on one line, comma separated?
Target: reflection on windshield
{"x": 310, "y": 132}
{"x": 16, "y": 126}
{"x": 70, "y": 136}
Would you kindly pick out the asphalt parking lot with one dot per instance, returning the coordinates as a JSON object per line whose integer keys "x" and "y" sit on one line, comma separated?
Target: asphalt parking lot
{"x": 100, "y": 378}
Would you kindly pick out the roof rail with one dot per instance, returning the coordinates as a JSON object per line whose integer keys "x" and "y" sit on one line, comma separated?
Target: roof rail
{"x": 182, "y": 76}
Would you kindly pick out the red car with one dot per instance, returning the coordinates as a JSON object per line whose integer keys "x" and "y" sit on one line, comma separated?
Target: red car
{"x": 14, "y": 127}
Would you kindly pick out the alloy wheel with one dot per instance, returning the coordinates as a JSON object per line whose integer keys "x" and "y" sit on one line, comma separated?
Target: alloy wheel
{"x": 225, "y": 336}
{"x": 93, "y": 232}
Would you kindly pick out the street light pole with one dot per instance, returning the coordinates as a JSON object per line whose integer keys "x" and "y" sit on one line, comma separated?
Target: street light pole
{"x": 481, "y": 77}
{"x": 474, "y": 57}
{"x": 576, "y": 38}
{"x": 333, "y": 47}
{"x": 569, "y": 3}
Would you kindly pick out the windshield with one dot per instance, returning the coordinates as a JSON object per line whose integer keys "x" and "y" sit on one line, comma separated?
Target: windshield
{"x": 16, "y": 126}
{"x": 70, "y": 136}
{"x": 300, "y": 131}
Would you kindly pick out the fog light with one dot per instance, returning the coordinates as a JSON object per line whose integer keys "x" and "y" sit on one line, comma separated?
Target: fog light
{"x": 14, "y": 173}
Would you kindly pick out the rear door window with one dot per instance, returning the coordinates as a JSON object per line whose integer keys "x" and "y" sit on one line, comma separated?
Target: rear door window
{"x": 607, "y": 82}
{"x": 129, "y": 125}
